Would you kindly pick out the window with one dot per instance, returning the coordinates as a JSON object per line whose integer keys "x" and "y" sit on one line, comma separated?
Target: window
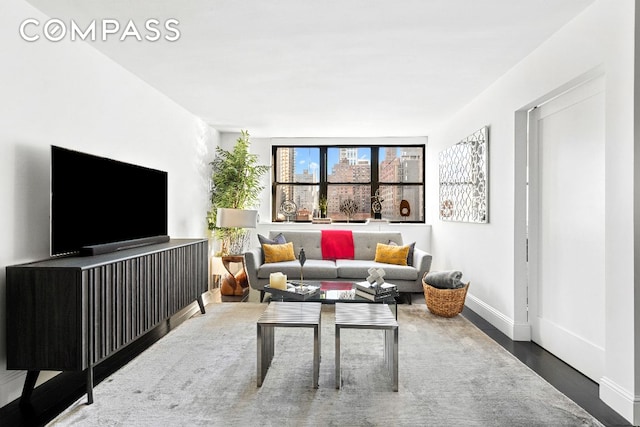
{"x": 302, "y": 175}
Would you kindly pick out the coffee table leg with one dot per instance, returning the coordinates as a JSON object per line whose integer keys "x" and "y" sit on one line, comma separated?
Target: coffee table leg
{"x": 316, "y": 355}
{"x": 338, "y": 379}
{"x": 395, "y": 359}
{"x": 387, "y": 350}
{"x": 265, "y": 351}
{"x": 260, "y": 358}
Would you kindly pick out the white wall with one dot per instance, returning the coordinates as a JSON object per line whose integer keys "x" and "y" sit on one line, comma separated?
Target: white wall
{"x": 599, "y": 41}
{"x": 69, "y": 94}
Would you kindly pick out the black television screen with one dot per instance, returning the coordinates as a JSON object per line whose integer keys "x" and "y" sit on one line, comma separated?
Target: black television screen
{"x": 96, "y": 201}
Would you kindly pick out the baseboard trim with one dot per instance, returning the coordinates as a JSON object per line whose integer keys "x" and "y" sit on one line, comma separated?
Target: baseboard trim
{"x": 515, "y": 331}
{"x": 620, "y": 400}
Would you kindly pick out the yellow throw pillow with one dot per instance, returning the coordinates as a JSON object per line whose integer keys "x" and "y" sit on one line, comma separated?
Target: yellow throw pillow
{"x": 389, "y": 254}
{"x": 278, "y": 253}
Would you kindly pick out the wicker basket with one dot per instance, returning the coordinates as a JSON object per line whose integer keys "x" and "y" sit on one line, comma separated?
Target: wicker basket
{"x": 445, "y": 302}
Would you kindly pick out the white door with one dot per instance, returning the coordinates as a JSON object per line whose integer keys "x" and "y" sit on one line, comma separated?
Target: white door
{"x": 566, "y": 227}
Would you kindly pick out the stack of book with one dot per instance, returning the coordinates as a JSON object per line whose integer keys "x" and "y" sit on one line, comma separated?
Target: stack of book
{"x": 376, "y": 293}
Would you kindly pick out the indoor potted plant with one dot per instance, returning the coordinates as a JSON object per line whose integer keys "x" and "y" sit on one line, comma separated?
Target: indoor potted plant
{"x": 235, "y": 179}
{"x": 322, "y": 205}
{"x": 235, "y": 187}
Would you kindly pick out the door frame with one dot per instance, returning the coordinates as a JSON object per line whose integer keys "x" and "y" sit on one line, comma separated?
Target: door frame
{"x": 521, "y": 324}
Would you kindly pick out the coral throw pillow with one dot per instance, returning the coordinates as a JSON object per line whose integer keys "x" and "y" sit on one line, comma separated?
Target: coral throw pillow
{"x": 390, "y": 254}
{"x": 278, "y": 253}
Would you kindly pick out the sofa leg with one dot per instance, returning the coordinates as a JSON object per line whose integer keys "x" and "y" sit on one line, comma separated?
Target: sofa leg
{"x": 405, "y": 298}
{"x": 261, "y": 296}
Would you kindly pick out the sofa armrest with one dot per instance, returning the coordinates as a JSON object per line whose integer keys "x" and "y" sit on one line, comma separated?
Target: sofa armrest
{"x": 421, "y": 261}
{"x": 253, "y": 261}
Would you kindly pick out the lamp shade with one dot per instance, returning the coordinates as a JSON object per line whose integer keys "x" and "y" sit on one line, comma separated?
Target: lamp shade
{"x": 240, "y": 218}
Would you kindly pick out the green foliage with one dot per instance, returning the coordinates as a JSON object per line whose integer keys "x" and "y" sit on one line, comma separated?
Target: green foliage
{"x": 322, "y": 204}
{"x": 235, "y": 179}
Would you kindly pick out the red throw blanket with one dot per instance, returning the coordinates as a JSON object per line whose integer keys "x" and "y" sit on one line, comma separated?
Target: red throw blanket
{"x": 337, "y": 244}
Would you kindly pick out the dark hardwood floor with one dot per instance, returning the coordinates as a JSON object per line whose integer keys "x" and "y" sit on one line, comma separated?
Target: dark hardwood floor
{"x": 54, "y": 396}
{"x": 563, "y": 377}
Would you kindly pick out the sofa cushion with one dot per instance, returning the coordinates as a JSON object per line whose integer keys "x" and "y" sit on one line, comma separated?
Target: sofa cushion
{"x": 278, "y": 253}
{"x": 278, "y": 239}
{"x": 307, "y": 239}
{"x": 314, "y": 269}
{"x": 358, "y": 269}
{"x": 389, "y": 254}
{"x": 365, "y": 242}
{"x": 412, "y": 247}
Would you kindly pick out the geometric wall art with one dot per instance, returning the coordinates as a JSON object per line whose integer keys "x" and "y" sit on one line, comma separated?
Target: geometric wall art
{"x": 464, "y": 179}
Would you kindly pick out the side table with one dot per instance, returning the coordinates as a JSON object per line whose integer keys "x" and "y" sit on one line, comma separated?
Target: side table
{"x": 234, "y": 284}
{"x": 292, "y": 315}
{"x": 369, "y": 316}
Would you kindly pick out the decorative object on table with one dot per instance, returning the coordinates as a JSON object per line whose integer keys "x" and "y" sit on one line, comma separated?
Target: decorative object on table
{"x": 288, "y": 209}
{"x": 444, "y": 292}
{"x": 375, "y": 288}
{"x": 278, "y": 280}
{"x": 302, "y": 258}
{"x": 375, "y": 292}
{"x": 405, "y": 208}
{"x": 376, "y": 276}
{"x": 348, "y": 207}
{"x": 464, "y": 179}
{"x": 322, "y": 205}
{"x": 376, "y": 205}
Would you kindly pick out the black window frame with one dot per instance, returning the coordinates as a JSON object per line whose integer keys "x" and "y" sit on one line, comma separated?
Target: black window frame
{"x": 323, "y": 182}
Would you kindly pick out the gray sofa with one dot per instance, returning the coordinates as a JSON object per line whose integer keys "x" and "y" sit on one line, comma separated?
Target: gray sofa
{"x": 407, "y": 278}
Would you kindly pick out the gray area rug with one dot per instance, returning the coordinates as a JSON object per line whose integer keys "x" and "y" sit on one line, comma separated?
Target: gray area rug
{"x": 204, "y": 373}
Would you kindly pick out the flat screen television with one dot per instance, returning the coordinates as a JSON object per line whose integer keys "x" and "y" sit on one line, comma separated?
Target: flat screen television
{"x": 96, "y": 201}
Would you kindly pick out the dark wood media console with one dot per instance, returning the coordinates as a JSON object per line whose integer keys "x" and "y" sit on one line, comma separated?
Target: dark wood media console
{"x": 68, "y": 314}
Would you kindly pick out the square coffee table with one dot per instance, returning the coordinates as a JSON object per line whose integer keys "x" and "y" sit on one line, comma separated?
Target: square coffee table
{"x": 287, "y": 315}
{"x": 369, "y": 316}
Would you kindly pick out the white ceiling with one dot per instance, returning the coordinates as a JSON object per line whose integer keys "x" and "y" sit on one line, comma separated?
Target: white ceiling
{"x": 325, "y": 67}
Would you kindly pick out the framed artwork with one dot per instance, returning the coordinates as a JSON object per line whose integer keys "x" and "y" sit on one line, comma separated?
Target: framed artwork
{"x": 464, "y": 179}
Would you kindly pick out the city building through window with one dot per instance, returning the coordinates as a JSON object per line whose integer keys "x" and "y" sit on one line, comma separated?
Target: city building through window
{"x": 349, "y": 178}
